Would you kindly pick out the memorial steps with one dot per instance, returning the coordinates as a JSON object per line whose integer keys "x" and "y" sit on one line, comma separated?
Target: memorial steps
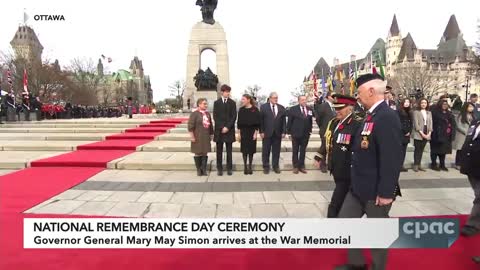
{"x": 154, "y": 145}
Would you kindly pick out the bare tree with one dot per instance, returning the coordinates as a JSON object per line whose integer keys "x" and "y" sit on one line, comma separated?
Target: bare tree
{"x": 177, "y": 89}
{"x": 411, "y": 78}
{"x": 45, "y": 80}
{"x": 298, "y": 91}
{"x": 255, "y": 92}
{"x": 83, "y": 72}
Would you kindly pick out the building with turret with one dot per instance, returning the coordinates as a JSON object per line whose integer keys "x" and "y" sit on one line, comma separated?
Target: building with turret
{"x": 117, "y": 86}
{"x": 445, "y": 69}
{"x": 26, "y": 45}
{"x": 113, "y": 88}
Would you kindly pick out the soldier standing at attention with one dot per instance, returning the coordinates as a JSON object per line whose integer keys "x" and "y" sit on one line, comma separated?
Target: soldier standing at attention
{"x": 375, "y": 166}
{"x": 336, "y": 152}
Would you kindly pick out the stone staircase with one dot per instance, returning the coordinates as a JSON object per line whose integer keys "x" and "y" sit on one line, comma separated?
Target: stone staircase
{"x": 23, "y": 142}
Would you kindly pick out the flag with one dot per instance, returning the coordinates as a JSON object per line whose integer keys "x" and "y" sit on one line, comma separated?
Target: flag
{"x": 374, "y": 69}
{"x": 315, "y": 86}
{"x": 334, "y": 84}
{"x": 25, "y": 81}
{"x": 9, "y": 79}
{"x": 324, "y": 88}
{"x": 340, "y": 75}
{"x": 382, "y": 71}
{"x": 25, "y": 17}
{"x": 109, "y": 59}
{"x": 352, "y": 79}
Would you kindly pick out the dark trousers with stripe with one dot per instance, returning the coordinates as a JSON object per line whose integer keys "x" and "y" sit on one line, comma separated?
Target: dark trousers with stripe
{"x": 353, "y": 208}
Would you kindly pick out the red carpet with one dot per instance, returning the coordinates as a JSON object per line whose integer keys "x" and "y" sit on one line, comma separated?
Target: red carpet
{"x": 82, "y": 158}
{"x": 148, "y": 129}
{"x": 135, "y": 136}
{"x": 167, "y": 125}
{"x": 170, "y": 121}
{"x": 114, "y": 145}
{"x": 24, "y": 189}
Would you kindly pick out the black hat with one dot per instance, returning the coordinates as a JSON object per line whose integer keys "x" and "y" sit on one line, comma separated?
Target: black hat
{"x": 342, "y": 101}
{"x": 366, "y": 78}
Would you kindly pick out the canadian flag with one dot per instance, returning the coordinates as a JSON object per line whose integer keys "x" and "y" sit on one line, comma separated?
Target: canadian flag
{"x": 25, "y": 81}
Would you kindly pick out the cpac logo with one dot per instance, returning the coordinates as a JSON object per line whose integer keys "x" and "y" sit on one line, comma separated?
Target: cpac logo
{"x": 419, "y": 228}
{"x": 49, "y": 18}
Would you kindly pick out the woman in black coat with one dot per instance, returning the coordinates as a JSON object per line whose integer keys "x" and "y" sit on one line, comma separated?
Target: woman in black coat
{"x": 405, "y": 114}
{"x": 248, "y": 124}
{"x": 442, "y": 136}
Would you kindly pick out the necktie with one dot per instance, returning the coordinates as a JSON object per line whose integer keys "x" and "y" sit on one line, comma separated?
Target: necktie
{"x": 273, "y": 110}
{"x": 304, "y": 111}
{"x": 224, "y": 100}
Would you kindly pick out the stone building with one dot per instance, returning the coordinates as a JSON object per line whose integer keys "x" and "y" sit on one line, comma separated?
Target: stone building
{"x": 113, "y": 88}
{"x": 409, "y": 68}
{"x": 26, "y": 45}
{"x": 117, "y": 86}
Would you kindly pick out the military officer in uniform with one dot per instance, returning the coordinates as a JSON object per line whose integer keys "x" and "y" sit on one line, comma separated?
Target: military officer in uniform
{"x": 469, "y": 165}
{"x": 336, "y": 152}
{"x": 11, "y": 105}
{"x": 375, "y": 166}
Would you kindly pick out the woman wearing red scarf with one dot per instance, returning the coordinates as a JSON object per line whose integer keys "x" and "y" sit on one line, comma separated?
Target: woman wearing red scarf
{"x": 201, "y": 131}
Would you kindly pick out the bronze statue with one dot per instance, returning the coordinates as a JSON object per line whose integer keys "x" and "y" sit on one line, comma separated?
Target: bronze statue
{"x": 206, "y": 80}
{"x": 208, "y": 8}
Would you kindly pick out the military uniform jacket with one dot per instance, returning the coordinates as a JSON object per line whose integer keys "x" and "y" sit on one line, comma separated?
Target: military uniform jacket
{"x": 337, "y": 151}
{"x": 470, "y": 160}
{"x": 376, "y": 168}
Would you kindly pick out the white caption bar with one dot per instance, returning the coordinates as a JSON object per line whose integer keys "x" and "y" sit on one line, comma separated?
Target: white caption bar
{"x": 209, "y": 233}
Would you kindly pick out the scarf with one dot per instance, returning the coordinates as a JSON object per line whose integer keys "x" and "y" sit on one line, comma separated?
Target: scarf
{"x": 205, "y": 119}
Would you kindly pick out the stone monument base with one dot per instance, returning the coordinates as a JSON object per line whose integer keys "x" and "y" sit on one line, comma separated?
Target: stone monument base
{"x": 202, "y": 37}
{"x": 211, "y": 97}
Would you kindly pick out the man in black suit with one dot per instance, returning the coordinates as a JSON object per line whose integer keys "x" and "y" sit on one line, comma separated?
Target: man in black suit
{"x": 299, "y": 127}
{"x": 272, "y": 130}
{"x": 324, "y": 112}
{"x": 375, "y": 165}
{"x": 224, "y": 116}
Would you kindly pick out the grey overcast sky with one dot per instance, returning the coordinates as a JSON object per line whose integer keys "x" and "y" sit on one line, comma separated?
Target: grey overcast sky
{"x": 271, "y": 43}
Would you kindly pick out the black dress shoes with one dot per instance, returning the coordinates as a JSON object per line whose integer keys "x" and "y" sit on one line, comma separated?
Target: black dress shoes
{"x": 266, "y": 171}
{"x": 469, "y": 231}
{"x": 276, "y": 170}
{"x": 229, "y": 172}
{"x": 219, "y": 172}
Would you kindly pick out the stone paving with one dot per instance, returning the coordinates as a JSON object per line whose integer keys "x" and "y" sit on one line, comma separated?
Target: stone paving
{"x": 168, "y": 194}
{"x": 158, "y": 180}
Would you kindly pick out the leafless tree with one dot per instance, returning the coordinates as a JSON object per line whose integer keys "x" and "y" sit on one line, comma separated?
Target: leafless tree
{"x": 255, "y": 92}
{"x": 83, "y": 72}
{"x": 411, "y": 78}
{"x": 298, "y": 91}
{"x": 45, "y": 80}
{"x": 177, "y": 89}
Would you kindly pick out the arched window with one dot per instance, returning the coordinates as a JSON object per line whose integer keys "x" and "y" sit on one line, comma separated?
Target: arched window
{"x": 208, "y": 59}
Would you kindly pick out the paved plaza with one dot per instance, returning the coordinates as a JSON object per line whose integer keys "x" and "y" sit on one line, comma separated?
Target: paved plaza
{"x": 158, "y": 179}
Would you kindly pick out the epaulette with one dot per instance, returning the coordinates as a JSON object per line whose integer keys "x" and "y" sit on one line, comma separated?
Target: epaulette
{"x": 358, "y": 117}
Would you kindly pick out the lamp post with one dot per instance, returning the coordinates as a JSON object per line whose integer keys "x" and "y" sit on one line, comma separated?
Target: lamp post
{"x": 466, "y": 86}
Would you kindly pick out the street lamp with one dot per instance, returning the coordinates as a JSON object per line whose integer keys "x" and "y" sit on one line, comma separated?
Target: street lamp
{"x": 466, "y": 86}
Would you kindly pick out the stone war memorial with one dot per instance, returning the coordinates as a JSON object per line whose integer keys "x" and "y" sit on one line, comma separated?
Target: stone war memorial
{"x": 136, "y": 180}
{"x": 206, "y": 35}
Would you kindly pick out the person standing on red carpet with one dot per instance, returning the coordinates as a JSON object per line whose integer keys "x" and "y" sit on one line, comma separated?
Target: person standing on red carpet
{"x": 375, "y": 166}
